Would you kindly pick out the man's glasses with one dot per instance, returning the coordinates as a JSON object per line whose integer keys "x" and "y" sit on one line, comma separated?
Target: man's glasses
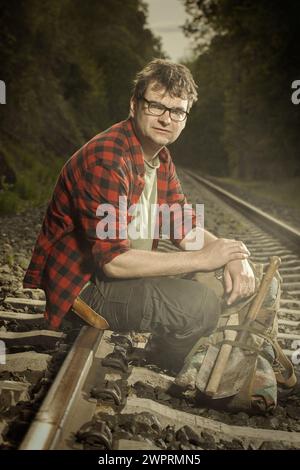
{"x": 158, "y": 109}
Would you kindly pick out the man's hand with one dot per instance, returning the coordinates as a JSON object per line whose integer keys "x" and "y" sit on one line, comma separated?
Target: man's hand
{"x": 220, "y": 252}
{"x": 239, "y": 280}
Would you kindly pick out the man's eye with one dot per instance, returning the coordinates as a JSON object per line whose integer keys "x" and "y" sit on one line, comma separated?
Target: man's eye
{"x": 178, "y": 112}
{"x": 157, "y": 106}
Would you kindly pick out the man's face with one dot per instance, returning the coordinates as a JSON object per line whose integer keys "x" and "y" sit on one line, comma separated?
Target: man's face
{"x": 156, "y": 131}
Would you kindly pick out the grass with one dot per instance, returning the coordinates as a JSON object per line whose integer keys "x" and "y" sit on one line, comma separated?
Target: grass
{"x": 35, "y": 179}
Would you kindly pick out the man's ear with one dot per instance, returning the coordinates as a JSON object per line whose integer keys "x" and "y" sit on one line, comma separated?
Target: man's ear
{"x": 133, "y": 105}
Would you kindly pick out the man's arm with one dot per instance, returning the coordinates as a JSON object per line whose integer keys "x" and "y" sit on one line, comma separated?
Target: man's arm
{"x": 139, "y": 263}
{"x": 196, "y": 239}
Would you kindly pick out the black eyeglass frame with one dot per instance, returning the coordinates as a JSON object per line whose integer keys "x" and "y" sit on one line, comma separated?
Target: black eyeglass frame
{"x": 164, "y": 109}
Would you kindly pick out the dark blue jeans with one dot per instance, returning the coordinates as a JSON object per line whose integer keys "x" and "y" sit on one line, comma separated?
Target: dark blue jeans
{"x": 177, "y": 311}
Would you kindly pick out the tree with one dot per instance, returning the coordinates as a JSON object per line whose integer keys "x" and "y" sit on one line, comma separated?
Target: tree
{"x": 68, "y": 66}
{"x": 255, "y": 50}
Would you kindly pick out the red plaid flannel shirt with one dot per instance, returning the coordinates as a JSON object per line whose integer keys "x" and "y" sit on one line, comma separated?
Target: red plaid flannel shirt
{"x": 67, "y": 250}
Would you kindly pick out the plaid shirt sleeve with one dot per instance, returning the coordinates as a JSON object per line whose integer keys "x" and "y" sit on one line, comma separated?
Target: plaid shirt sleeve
{"x": 183, "y": 218}
{"x": 102, "y": 217}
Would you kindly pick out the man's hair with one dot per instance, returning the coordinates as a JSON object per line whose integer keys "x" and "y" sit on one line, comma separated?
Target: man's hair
{"x": 175, "y": 78}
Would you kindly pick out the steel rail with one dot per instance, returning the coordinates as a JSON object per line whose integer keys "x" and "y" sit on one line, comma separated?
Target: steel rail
{"x": 46, "y": 428}
{"x": 269, "y": 223}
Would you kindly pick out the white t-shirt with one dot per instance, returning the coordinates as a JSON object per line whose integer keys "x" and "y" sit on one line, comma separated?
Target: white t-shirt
{"x": 141, "y": 227}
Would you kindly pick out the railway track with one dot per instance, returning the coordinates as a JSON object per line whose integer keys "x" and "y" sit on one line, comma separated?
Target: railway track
{"x": 108, "y": 394}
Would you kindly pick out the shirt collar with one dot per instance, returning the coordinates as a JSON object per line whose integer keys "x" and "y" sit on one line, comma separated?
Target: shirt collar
{"x": 136, "y": 148}
{"x": 153, "y": 164}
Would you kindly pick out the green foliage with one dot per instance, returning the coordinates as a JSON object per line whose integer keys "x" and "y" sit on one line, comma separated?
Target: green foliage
{"x": 68, "y": 67}
{"x": 35, "y": 179}
{"x": 9, "y": 202}
{"x": 201, "y": 144}
{"x": 245, "y": 124}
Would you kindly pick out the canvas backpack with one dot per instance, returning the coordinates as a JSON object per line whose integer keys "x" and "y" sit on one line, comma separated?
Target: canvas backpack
{"x": 256, "y": 363}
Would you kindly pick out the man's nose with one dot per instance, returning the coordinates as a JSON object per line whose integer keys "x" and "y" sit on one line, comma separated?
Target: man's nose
{"x": 165, "y": 118}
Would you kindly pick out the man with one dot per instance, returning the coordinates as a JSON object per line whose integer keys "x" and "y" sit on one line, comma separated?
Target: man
{"x": 114, "y": 279}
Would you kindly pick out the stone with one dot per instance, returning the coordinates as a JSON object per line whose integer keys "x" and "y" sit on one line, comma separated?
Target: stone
{"x": 31, "y": 360}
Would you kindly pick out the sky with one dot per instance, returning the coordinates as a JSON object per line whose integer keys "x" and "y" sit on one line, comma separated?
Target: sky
{"x": 165, "y": 18}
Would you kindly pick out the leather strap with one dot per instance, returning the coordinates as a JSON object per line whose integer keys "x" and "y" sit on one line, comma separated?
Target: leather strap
{"x": 286, "y": 367}
{"x": 86, "y": 313}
